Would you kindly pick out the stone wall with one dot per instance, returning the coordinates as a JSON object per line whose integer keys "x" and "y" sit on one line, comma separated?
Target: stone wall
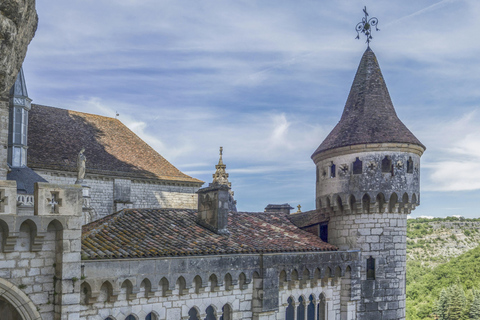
{"x": 244, "y": 286}
{"x": 382, "y": 237}
{"x": 135, "y": 194}
{"x": 40, "y": 257}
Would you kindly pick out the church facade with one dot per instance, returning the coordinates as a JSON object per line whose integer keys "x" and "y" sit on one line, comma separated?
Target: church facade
{"x": 160, "y": 247}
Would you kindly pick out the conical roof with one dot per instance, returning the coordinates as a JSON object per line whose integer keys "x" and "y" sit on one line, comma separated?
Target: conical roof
{"x": 19, "y": 89}
{"x": 369, "y": 115}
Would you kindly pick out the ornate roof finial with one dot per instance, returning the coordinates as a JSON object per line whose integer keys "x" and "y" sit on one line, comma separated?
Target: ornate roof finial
{"x": 366, "y": 26}
{"x": 220, "y": 176}
{"x": 299, "y": 209}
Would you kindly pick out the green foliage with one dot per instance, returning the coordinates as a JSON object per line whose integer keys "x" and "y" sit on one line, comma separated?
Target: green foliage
{"x": 475, "y": 308}
{"x": 425, "y": 288}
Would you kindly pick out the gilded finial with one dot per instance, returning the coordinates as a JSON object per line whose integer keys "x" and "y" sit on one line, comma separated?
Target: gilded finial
{"x": 299, "y": 209}
{"x": 366, "y": 25}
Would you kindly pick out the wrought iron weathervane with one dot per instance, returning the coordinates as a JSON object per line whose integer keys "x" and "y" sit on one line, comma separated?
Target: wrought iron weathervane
{"x": 366, "y": 25}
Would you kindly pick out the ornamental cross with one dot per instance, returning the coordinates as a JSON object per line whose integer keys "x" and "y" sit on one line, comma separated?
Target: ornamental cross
{"x": 54, "y": 202}
{"x": 366, "y": 25}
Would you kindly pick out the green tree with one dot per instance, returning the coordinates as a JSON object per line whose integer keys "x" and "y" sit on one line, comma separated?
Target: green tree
{"x": 475, "y": 307}
{"x": 456, "y": 303}
{"x": 441, "y": 306}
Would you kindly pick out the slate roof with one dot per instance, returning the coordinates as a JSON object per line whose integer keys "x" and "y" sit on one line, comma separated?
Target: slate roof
{"x": 25, "y": 178}
{"x": 369, "y": 115}
{"x": 55, "y": 136}
{"x": 308, "y": 218}
{"x": 143, "y": 233}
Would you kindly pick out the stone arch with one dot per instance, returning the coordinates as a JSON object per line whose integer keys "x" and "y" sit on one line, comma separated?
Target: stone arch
{"x": 311, "y": 307}
{"x": 194, "y": 313}
{"x": 322, "y": 307}
{"x": 27, "y": 233}
{"x": 381, "y": 202}
{"x": 405, "y": 199}
{"x": 213, "y": 282}
{"x": 338, "y": 272}
{"x": 328, "y": 203}
{"x": 294, "y": 275}
{"x": 106, "y": 292}
{"x": 387, "y": 166}
{"x": 211, "y": 313}
{"x": 15, "y": 298}
{"x": 392, "y": 202}
{"x": 339, "y": 203}
{"x": 242, "y": 281}
{"x": 305, "y": 277}
{"x": 290, "y": 310}
{"x": 282, "y": 278}
{"x": 181, "y": 284}
{"x": 152, "y": 316}
{"x": 132, "y": 317}
{"x": 228, "y": 281}
{"x": 301, "y": 307}
{"x": 328, "y": 272}
{"x": 127, "y": 287}
{"x": 227, "y": 312}
{"x": 4, "y": 232}
{"x": 164, "y": 286}
{"x": 414, "y": 199}
{"x": 85, "y": 293}
{"x": 197, "y": 284}
{"x": 366, "y": 203}
{"x": 110, "y": 318}
{"x": 146, "y": 288}
{"x": 352, "y": 202}
{"x": 317, "y": 274}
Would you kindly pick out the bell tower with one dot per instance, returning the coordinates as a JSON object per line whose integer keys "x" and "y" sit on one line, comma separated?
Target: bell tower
{"x": 368, "y": 180}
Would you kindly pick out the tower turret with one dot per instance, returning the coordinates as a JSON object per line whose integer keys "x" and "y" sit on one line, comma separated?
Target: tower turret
{"x": 19, "y": 104}
{"x": 368, "y": 180}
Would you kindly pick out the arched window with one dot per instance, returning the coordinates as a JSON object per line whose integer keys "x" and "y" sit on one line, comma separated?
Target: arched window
{"x": 392, "y": 202}
{"x": 301, "y": 308}
{"x": 130, "y": 317}
{"x": 387, "y": 165}
{"x": 106, "y": 292}
{"x": 210, "y": 313}
{"x": 213, "y": 282}
{"x": 146, "y": 288}
{"x": 226, "y": 312}
{"x": 366, "y": 203}
{"x": 151, "y": 316}
{"x": 311, "y": 308}
{"x": 321, "y": 308}
{"x": 370, "y": 268}
{"x": 381, "y": 202}
{"x": 197, "y": 281}
{"x": 228, "y": 282}
{"x": 193, "y": 314}
{"x": 242, "y": 281}
{"x": 108, "y": 318}
{"x": 332, "y": 170}
{"x": 164, "y": 286}
{"x": 357, "y": 166}
{"x": 290, "y": 312}
{"x": 353, "y": 204}
{"x": 182, "y": 286}
{"x": 410, "y": 165}
{"x": 85, "y": 293}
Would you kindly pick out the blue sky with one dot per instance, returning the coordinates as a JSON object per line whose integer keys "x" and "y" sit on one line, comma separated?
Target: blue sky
{"x": 267, "y": 80}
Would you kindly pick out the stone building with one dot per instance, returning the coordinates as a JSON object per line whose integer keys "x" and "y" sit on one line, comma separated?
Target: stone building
{"x": 343, "y": 260}
{"x": 122, "y": 171}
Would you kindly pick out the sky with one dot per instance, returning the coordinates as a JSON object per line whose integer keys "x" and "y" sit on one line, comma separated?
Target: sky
{"x": 267, "y": 80}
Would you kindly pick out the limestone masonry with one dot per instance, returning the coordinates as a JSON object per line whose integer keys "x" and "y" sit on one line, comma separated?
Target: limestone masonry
{"x": 135, "y": 238}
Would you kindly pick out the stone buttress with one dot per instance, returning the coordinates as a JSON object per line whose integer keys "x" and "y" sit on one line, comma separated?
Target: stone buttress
{"x": 368, "y": 173}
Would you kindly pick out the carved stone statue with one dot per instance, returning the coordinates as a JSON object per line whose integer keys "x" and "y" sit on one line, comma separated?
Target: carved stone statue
{"x": 18, "y": 23}
{"x": 81, "y": 159}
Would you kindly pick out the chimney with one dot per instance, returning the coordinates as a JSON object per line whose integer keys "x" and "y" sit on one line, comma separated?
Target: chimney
{"x": 216, "y": 200}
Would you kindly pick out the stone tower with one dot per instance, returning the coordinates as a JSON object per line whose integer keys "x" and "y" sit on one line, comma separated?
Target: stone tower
{"x": 368, "y": 173}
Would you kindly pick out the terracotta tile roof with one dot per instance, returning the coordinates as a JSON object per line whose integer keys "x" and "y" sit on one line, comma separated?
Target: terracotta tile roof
{"x": 369, "y": 115}
{"x": 143, "y": 233}
{"x": 55, "y": 136}
{"x": 308, "y": 218}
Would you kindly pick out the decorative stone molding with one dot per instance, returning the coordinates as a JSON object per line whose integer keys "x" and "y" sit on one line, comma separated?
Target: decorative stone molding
{"x": 19, "y": 300}
{"x": 8, "y": 196}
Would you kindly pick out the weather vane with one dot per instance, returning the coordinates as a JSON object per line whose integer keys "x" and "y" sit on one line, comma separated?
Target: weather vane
{"x": 366, "y": 26}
